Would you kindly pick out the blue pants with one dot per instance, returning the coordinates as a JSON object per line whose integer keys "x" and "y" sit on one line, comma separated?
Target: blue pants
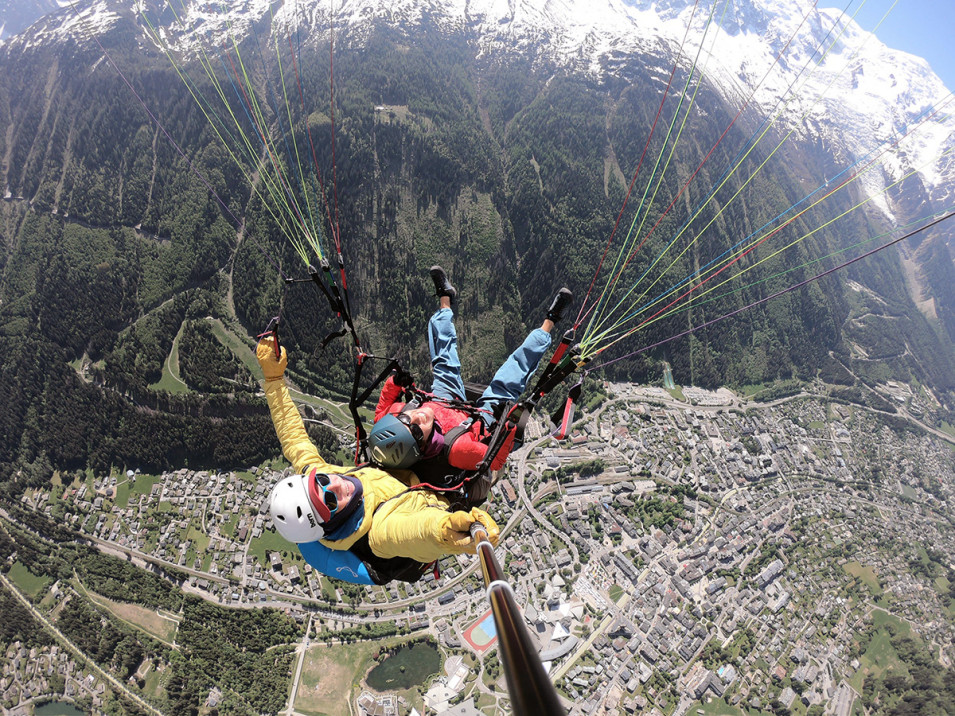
{"x": 510, "y": 379}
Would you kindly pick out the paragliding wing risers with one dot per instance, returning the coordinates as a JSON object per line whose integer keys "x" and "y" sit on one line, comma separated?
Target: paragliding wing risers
{"x": 562, "y": 348}
{"x": 335, "y": 302}
{"x": 563, "y": 418}
{"x": 516, "y": 417}
{"x": 357, "y": 401}
{"x": 552, "y": 378}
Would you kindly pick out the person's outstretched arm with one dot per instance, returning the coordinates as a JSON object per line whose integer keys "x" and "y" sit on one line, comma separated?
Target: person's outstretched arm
{"x": 296, "y": 445}
{"x": 426, "y": 533}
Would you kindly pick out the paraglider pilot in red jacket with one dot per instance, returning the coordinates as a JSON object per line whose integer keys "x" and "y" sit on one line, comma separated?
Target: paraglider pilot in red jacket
{"x": 434, "y": 434}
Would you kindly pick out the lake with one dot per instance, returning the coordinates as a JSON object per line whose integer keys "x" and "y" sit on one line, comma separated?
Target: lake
{"x": 409, "y": 667}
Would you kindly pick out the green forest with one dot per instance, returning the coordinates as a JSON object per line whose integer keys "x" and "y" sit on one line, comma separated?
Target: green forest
{"x": 247, "y": 654}
{"x": 131, "y": 295}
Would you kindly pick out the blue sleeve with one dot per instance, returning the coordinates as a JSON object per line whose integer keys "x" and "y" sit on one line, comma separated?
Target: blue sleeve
{"x": 338, "y": 564}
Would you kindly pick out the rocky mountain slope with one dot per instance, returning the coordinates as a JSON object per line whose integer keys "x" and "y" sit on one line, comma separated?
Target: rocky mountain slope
{"x": 497, "y": 139}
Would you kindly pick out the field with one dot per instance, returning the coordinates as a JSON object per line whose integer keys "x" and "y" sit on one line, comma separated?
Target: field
{"x": 719, "y": 707}
{"x": 122, "y": 493}
{"x": 272, "y": 542}
{"x": 154, "y": 683}
{"x": 329, "y": 676}
{"x": 866, "y": 574}
{"x": 227, "y": 528}
{"x": 143, "y": 486}
{"x": 26, "y": 581}
{"x": 170, "y": 380}
{"x": 485, "y": 703}
{"x": 677, "y": 394}
{"x": 615, "y": 592}
{"x": 942, "y": 586}
{"x": 199, "y": 538}
{"x": 237, "y": 346}
{"x": 332, "y": 678}
{"x": 246, "y": 477}
{"x": 910, "y": 492}
{"x": 328, "y": 590}
{"x": 147, "y": 620}
{"x": 880, "y": 656}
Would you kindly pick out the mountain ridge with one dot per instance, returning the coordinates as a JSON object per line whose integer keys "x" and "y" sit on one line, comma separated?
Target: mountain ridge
{"x": 864, "y": 95}
{"x": 506, "y": 168}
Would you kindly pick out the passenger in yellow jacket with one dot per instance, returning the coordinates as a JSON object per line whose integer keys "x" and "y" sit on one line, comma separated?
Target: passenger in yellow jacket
{"x": 347, "y": 521}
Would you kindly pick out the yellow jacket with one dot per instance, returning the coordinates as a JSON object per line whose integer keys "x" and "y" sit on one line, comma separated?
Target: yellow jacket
{"x": 416, "y": 524}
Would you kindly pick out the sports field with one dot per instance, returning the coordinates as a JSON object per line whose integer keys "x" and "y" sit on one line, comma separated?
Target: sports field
{"x": 482, "y": 634}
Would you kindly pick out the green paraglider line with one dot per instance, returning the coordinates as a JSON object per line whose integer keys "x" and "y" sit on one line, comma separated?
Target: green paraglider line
{"x": 734, "y": 258}
{"x": 172, "y": 141}
{"x": 209, "y": 112}
{"x": 659, "y": 315}
{"x": 583, "y": 312}
{"x": 583, "y": 309}
{"x": 927, "y": 116}
{"x": 644, "y": 205}
{"x": 777, "y": 294}
{"x": 697, "y": 302}
{"x": 595, "y": 325}
{"x": 311, "y": 144}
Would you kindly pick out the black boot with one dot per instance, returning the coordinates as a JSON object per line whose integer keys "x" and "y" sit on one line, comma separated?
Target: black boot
{"x": 561, "y": 301}
{"x": 442, "y": 287}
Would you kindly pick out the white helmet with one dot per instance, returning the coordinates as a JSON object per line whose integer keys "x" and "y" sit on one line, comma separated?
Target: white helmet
{"x": 292, "y": 511}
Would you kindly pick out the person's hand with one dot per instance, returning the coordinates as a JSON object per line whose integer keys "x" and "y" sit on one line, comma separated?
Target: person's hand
{"x": 403, "y": 379}
{"x": 265, "y": 352}
{"x": 459, "y": 524}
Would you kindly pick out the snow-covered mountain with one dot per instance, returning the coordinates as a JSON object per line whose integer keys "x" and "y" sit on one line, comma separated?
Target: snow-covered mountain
{"x": 17, "y": 15}
{"x": 806, "y": 68}
{"x": 812, "y": 75}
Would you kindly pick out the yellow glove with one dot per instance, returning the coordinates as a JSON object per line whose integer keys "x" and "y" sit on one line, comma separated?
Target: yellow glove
{"x": 456, "y": 531}
{"x": 272, "y": 369}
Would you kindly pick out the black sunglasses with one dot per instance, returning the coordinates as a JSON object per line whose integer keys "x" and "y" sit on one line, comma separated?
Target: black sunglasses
{"x": 415, "y": 430}
{"x": 329, "y": 497}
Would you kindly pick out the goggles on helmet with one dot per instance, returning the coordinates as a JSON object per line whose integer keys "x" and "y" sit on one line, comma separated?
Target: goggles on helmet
{"x": 328, "y": 497}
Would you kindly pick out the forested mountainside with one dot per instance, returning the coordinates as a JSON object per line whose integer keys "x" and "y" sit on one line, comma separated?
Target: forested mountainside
{"x": 504, "y": 167}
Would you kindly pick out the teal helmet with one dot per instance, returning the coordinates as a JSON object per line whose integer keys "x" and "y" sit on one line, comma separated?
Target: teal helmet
{"x": 393, "y": 444}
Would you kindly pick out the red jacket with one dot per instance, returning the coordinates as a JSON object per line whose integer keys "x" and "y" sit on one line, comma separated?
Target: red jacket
{"x": 467, "y": 451}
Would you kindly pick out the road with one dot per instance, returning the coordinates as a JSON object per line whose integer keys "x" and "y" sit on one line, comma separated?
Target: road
{"x": 300, "y": 651}
{"x": 521, "y": 458}
{"x": 40, "y": 617}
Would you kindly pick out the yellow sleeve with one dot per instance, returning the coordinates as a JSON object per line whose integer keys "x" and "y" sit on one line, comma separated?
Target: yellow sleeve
{"x": 425, "y": 532}
{"x": 296, "y": 445}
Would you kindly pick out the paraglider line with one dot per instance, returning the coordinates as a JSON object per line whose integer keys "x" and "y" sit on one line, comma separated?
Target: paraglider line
{"x": 581, "y": 314}
{"x": 778, "y": 293}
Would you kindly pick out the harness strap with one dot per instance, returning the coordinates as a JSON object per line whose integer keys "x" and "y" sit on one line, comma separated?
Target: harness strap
{"x": 462, "y": 405}
{"x": 457, "y": 431}
{"x": 356, "y": 400}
